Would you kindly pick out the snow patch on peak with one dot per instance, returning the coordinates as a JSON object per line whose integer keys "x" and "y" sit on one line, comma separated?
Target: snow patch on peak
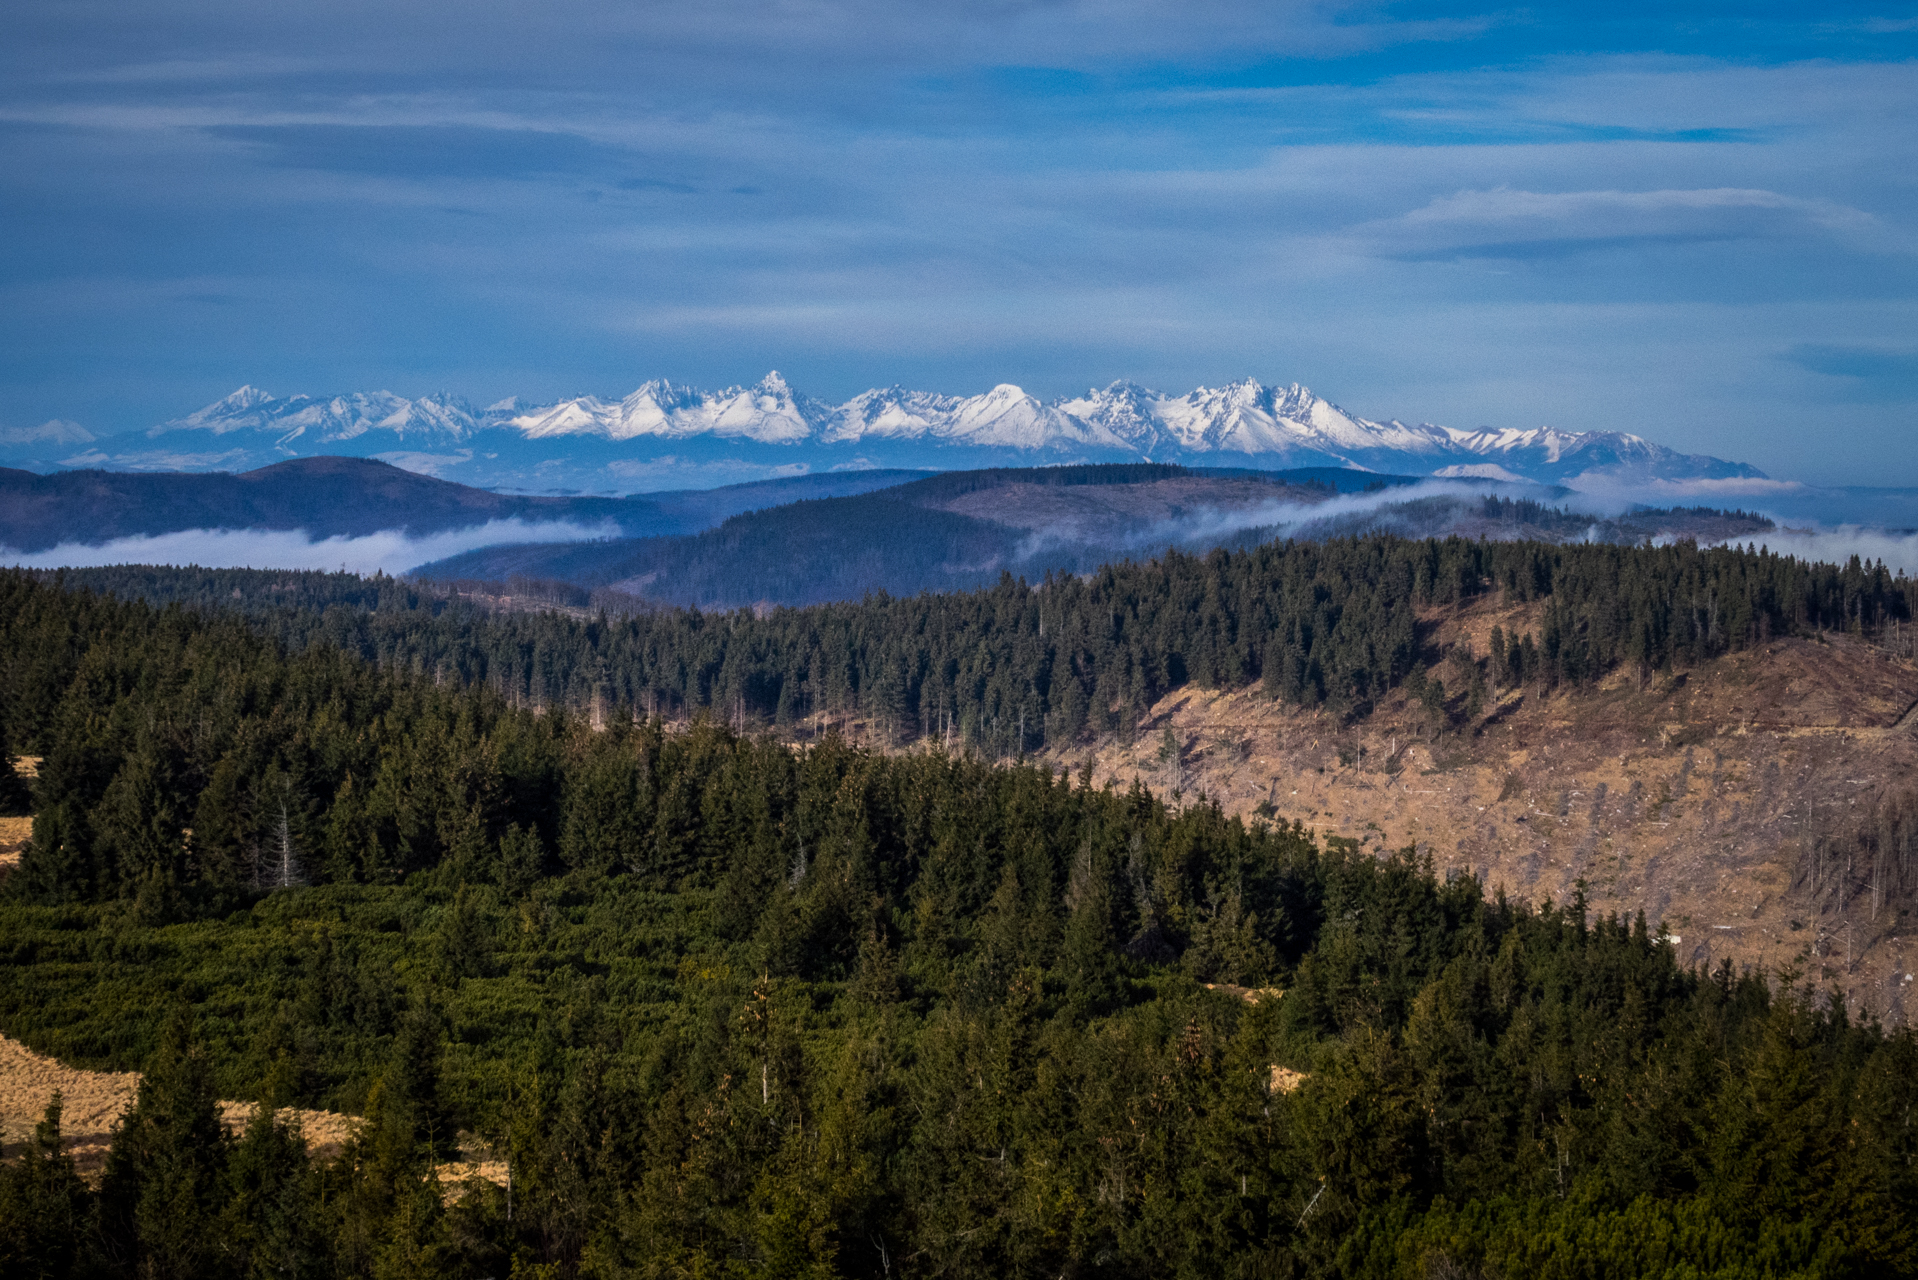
{"x": 767, "y": 412}
{"x": 54, "y": 431}
{"x": 1476, "y": 470}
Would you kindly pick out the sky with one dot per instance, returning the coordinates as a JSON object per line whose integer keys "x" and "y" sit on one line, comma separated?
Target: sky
{"x": 1694, "y": 222}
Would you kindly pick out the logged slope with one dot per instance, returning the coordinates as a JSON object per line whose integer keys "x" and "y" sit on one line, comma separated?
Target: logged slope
{"x": 1762, "y": 804}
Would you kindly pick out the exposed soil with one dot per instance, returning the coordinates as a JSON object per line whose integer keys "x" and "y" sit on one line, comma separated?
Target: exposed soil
{"x": 1694, "y": 797}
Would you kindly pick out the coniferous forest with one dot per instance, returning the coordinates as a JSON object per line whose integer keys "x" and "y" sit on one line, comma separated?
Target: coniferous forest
{"x": 1019, "y": 667}
{"x": 727, "y": 1006}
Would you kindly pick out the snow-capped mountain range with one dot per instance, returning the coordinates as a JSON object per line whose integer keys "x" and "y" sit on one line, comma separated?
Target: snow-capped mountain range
{"x": 666, "y": 435}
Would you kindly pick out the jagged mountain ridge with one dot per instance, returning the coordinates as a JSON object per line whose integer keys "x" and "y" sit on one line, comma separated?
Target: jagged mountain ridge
{"x": 771, "y": 425}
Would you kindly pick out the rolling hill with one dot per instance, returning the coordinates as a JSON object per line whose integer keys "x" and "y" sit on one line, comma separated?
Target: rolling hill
{"x": 964, "y": 529}
{"x": 351, "y": 497}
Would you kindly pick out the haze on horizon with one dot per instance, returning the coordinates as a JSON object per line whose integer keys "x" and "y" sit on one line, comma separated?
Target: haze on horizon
{"x": 1694, "y": 227}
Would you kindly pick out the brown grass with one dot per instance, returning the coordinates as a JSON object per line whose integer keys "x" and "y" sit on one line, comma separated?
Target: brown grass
{"x": 13, "y": 839}
{"x": 93, "y": 1101}
{"x": 1285, "y": 1080}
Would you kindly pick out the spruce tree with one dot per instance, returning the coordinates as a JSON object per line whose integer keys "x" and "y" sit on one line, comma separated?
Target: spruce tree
{"x": 270, "y": 1225}
{"x": 43, "y": 1206}
{"x": 166, "y": 1167}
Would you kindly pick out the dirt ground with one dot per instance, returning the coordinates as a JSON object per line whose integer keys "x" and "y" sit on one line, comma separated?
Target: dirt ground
{"x": 1693, "y": 797}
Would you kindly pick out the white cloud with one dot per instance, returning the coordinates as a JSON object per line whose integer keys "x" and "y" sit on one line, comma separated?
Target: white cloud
{"x": 1611, "y": 490}
{"x": 1477, "y": 470}
{"x": 391, "y": 550}
{"x": 157, "y": 460}
{"x": 1215, "y": 525}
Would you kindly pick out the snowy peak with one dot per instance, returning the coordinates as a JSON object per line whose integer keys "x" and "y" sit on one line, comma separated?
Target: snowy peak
{"x": 1124, "y": 410}
{"x": 302, "y": 418}
{"x": 1246, "y": 422}
{"x": 767, "y": 412}
{"x": 890, "y": 414}
{"x": 1007, "y": 417}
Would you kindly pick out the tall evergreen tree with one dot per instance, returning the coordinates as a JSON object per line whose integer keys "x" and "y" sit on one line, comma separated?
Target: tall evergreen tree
{"x": 166, "y": 1167}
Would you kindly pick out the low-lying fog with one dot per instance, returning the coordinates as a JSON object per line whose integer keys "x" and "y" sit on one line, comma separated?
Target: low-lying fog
{"x": 1599, "y": 512}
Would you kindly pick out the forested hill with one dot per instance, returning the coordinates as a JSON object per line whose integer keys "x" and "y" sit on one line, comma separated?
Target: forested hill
{"x": 960, "y": 530}
{"x": 1019, "y": 666}
{"x": 730, "y": 1008}
{"x": 352, "y": 497}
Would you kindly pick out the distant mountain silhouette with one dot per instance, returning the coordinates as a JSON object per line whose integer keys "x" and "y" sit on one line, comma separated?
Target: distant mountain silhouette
{"x": 332, "y": 496}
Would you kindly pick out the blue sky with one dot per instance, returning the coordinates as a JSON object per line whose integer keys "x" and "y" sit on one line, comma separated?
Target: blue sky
{"x": 1693, "y": 222}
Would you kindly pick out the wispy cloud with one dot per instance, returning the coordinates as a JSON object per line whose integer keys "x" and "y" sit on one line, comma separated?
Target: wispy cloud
{"x": 646, "y": 475}
{"x": 391, "y": 551}
{"x": 1863, "y": 374}
{"x": 1472, "y": 216}
{"x": 1597, "y": 492}
{"x": 1211, "y": 526}
{"x": 1513, "y": 223}
{"x": 1899, "y": 551}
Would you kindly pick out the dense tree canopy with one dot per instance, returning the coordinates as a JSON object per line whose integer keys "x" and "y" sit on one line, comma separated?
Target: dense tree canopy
{"x": 1016, "y": 667}
{"x": 729, "y": 1007}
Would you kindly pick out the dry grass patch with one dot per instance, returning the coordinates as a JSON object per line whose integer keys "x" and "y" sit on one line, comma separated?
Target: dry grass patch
{"x": 93, "y": 1101}
{"x": 13, "y": 839}
{"x": 1285, "y": 1080}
